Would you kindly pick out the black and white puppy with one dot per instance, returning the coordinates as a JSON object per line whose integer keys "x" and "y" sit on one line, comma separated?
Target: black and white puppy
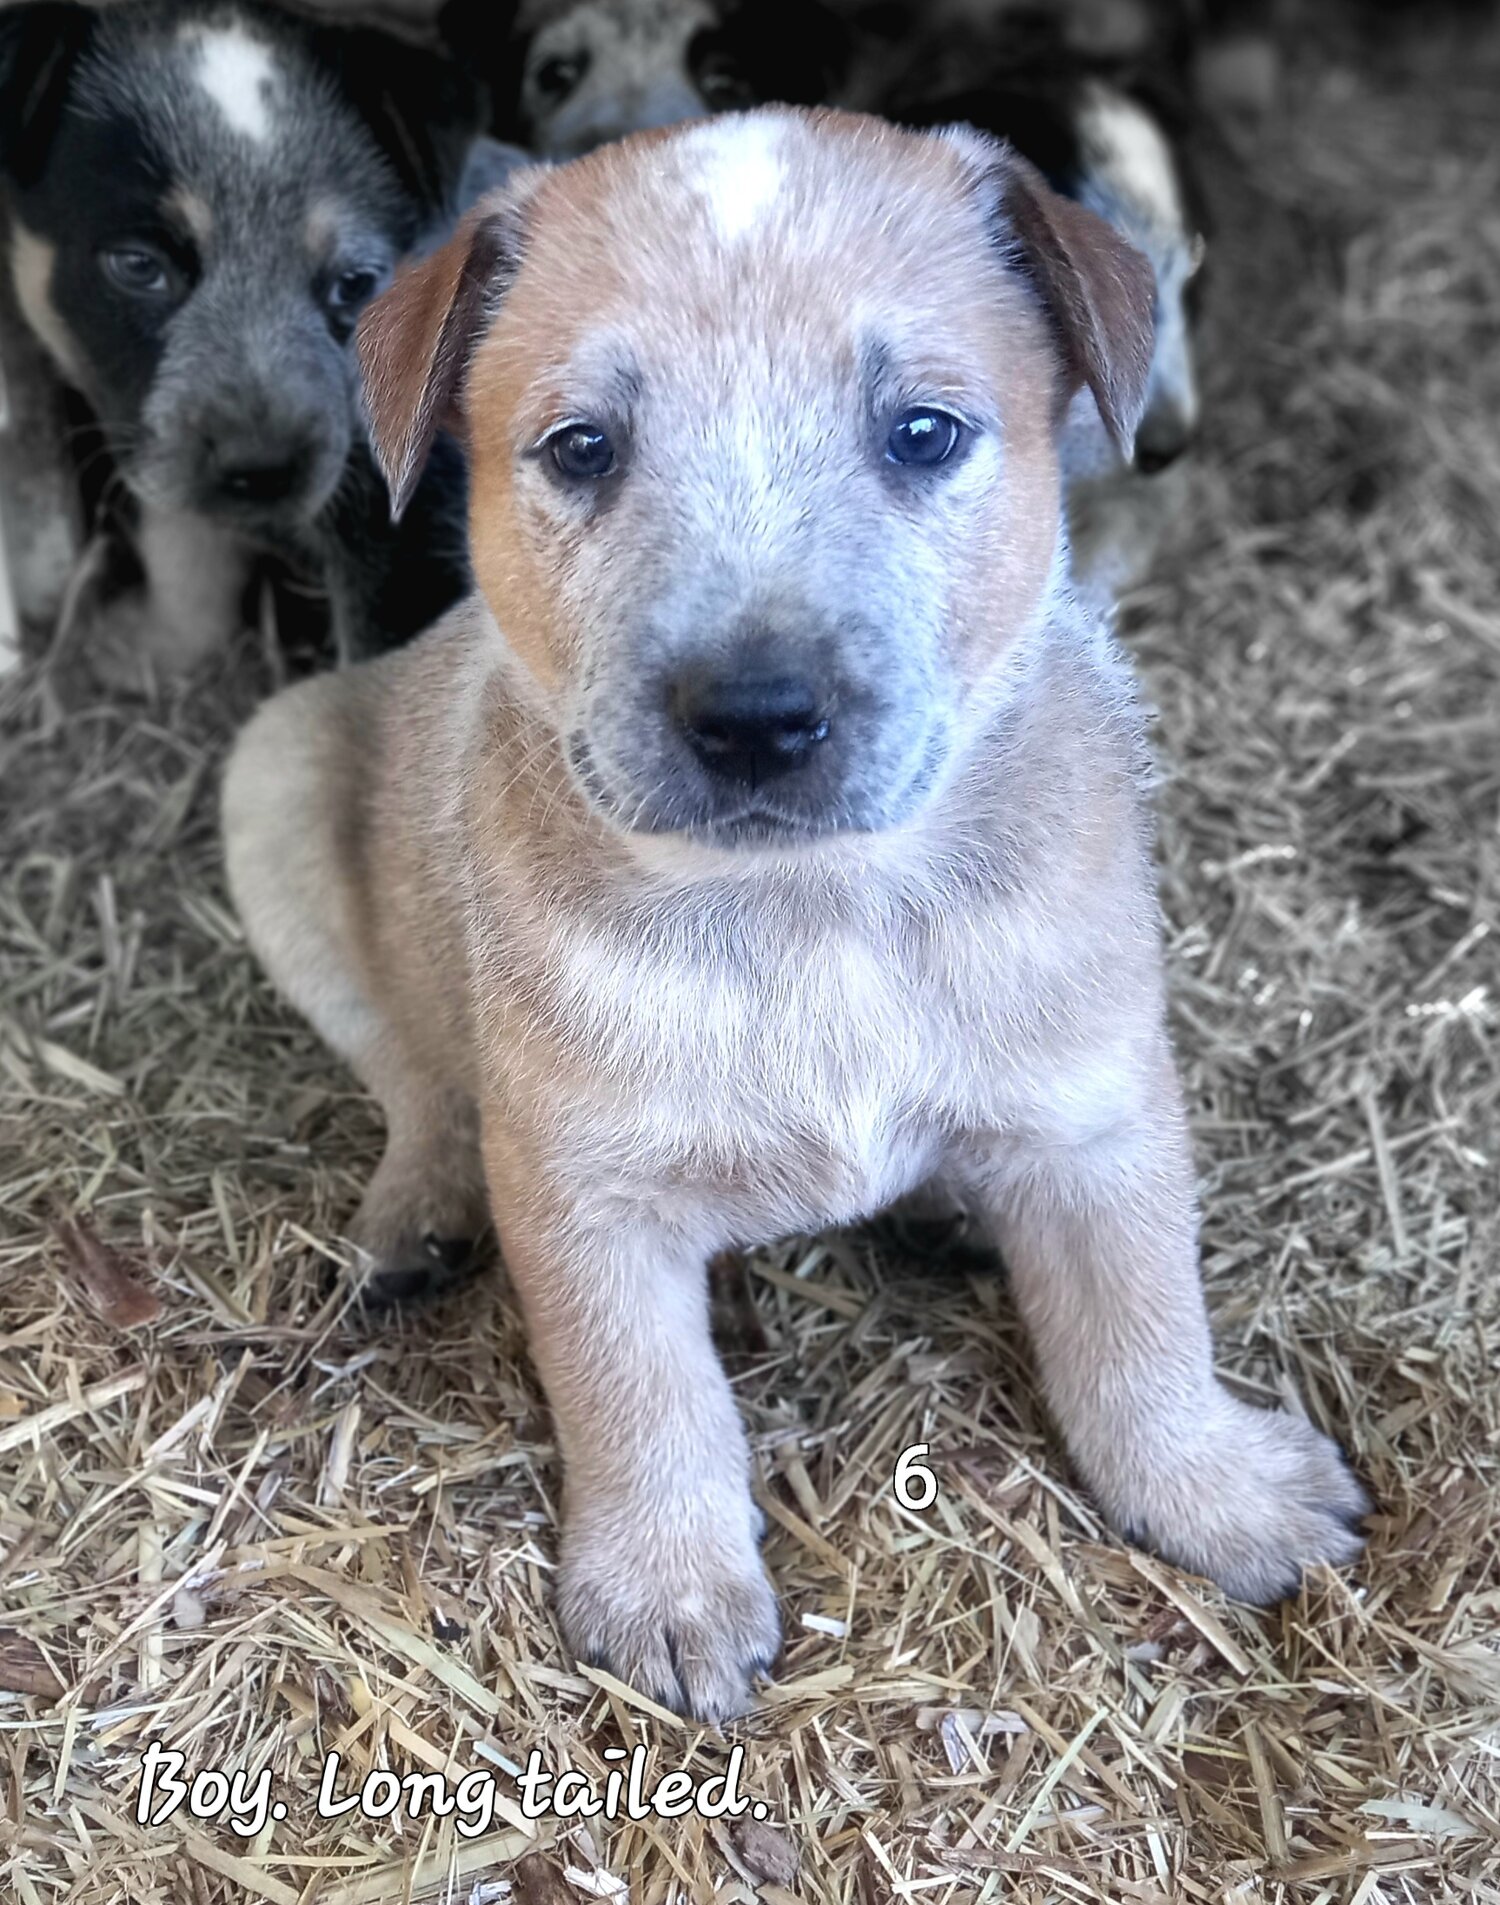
{"x": 201, "y": 198}
{"x": 583, "y": 72}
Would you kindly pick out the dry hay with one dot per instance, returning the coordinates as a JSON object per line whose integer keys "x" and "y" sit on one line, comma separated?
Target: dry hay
{"x": 233, "y": 1519}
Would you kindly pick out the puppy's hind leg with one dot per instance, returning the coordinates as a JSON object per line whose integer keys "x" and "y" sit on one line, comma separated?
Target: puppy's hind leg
{"x": 191, "y": 608}
{"x": 291, "y": 824}
{"x": 423, "y": 1220}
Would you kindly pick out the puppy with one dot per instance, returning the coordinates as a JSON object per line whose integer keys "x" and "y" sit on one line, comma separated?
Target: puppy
{"x": 583, "y": 72}
{"x": 765, "y": 839}
{"x": 200, "y": 200}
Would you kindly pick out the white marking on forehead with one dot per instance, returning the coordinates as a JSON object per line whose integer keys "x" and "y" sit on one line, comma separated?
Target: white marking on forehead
{"x": 1130, "y": 152}
{"x": 237, "y": 72}
{"x": 736, "y": 164}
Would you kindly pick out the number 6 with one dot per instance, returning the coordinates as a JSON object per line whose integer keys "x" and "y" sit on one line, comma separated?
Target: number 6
{"x": 915, "y": 1484}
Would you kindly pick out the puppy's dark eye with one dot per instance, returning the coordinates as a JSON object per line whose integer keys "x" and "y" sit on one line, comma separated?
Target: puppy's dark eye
{"x": 582, "y": 452}
{"x": 555, "y": 78}
{"x": 923, "y": 438}
{"x": 723, "y": 85}
{"x": 352, "y": 288}
{"x": 138, "y": 270}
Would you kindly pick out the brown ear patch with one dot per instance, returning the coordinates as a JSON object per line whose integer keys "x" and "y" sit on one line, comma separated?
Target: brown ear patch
{"x": 1099, "y": 291}
{"x": 416, "y": 339}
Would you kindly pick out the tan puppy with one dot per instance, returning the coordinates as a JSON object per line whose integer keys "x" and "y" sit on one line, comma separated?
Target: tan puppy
{"x": 766, "y": 840}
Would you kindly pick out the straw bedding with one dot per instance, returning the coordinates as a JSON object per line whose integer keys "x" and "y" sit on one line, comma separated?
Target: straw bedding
{"x": 238, "y": 1520}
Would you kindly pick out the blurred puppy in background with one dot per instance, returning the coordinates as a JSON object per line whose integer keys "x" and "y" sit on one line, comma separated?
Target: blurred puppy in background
{"x": 766, "y": 840}
{"x": 199, "y": 201}
{"x": 582, "y": 72}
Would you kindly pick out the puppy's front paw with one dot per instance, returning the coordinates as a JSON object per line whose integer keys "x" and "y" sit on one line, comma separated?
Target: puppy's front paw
{"x": 1258, "y": 1498}
{"x": 676, "y": 1607}
{"x": 131, "y": 648}
{"x": 116, "y": 641}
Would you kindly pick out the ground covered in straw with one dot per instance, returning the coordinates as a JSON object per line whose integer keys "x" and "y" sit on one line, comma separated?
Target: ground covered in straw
{"x": 234, "y": 1519}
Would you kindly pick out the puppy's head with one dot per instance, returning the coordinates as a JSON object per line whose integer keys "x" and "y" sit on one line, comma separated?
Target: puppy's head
{"x": 761, "y": 416}
{"x": 588, "y": 71}
{"x": 202, "y": 200}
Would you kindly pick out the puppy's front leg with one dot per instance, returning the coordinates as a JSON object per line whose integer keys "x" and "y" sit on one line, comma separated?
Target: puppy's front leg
{"x": 1100, "y": 1241}
{"x": 661, "y": 1580}
{"x": 196, "y": 573}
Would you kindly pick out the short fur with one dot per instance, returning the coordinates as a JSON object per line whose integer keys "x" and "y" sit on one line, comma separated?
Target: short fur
{"x": 659, "y": 1015}
{"x": 276, "y": 171}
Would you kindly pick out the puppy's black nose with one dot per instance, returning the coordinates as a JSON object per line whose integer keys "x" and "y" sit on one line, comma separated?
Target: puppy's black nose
{"x": 250, "y": 461}
{"x": 268, "y": 475}
{"x": 750, "y": 727}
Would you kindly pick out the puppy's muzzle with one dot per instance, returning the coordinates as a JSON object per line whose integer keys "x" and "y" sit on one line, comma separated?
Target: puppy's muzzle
{"x": 582, "y": 130}
{"x": 741, "y": 730}
{"x": 262, "y": 443}
{"x": 748, "y": 729}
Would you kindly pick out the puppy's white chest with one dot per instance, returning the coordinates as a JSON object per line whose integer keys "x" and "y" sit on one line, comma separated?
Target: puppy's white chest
{"x": 793, "y": 1077}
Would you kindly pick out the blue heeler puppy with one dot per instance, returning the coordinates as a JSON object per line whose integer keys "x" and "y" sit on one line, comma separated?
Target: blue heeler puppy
{"x": 200, "y": 200}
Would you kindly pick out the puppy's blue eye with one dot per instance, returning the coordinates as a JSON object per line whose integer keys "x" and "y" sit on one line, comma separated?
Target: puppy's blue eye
{"x": 582, "y": 452}
{"x": 923, "y": 438}
{"x": 133, "y": 268}
{"x": 351, "y": 288}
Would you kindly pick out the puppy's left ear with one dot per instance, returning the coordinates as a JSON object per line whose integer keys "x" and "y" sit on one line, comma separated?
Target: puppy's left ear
{"x": 1099, "y": 292}
{"x": 415, "y": 341}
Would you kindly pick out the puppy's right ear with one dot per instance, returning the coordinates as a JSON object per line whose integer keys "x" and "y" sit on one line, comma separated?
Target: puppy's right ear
{"x": 39, "y": 47}
{"x": 1098, "y": 291}
{"x": 415, "y": 341}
